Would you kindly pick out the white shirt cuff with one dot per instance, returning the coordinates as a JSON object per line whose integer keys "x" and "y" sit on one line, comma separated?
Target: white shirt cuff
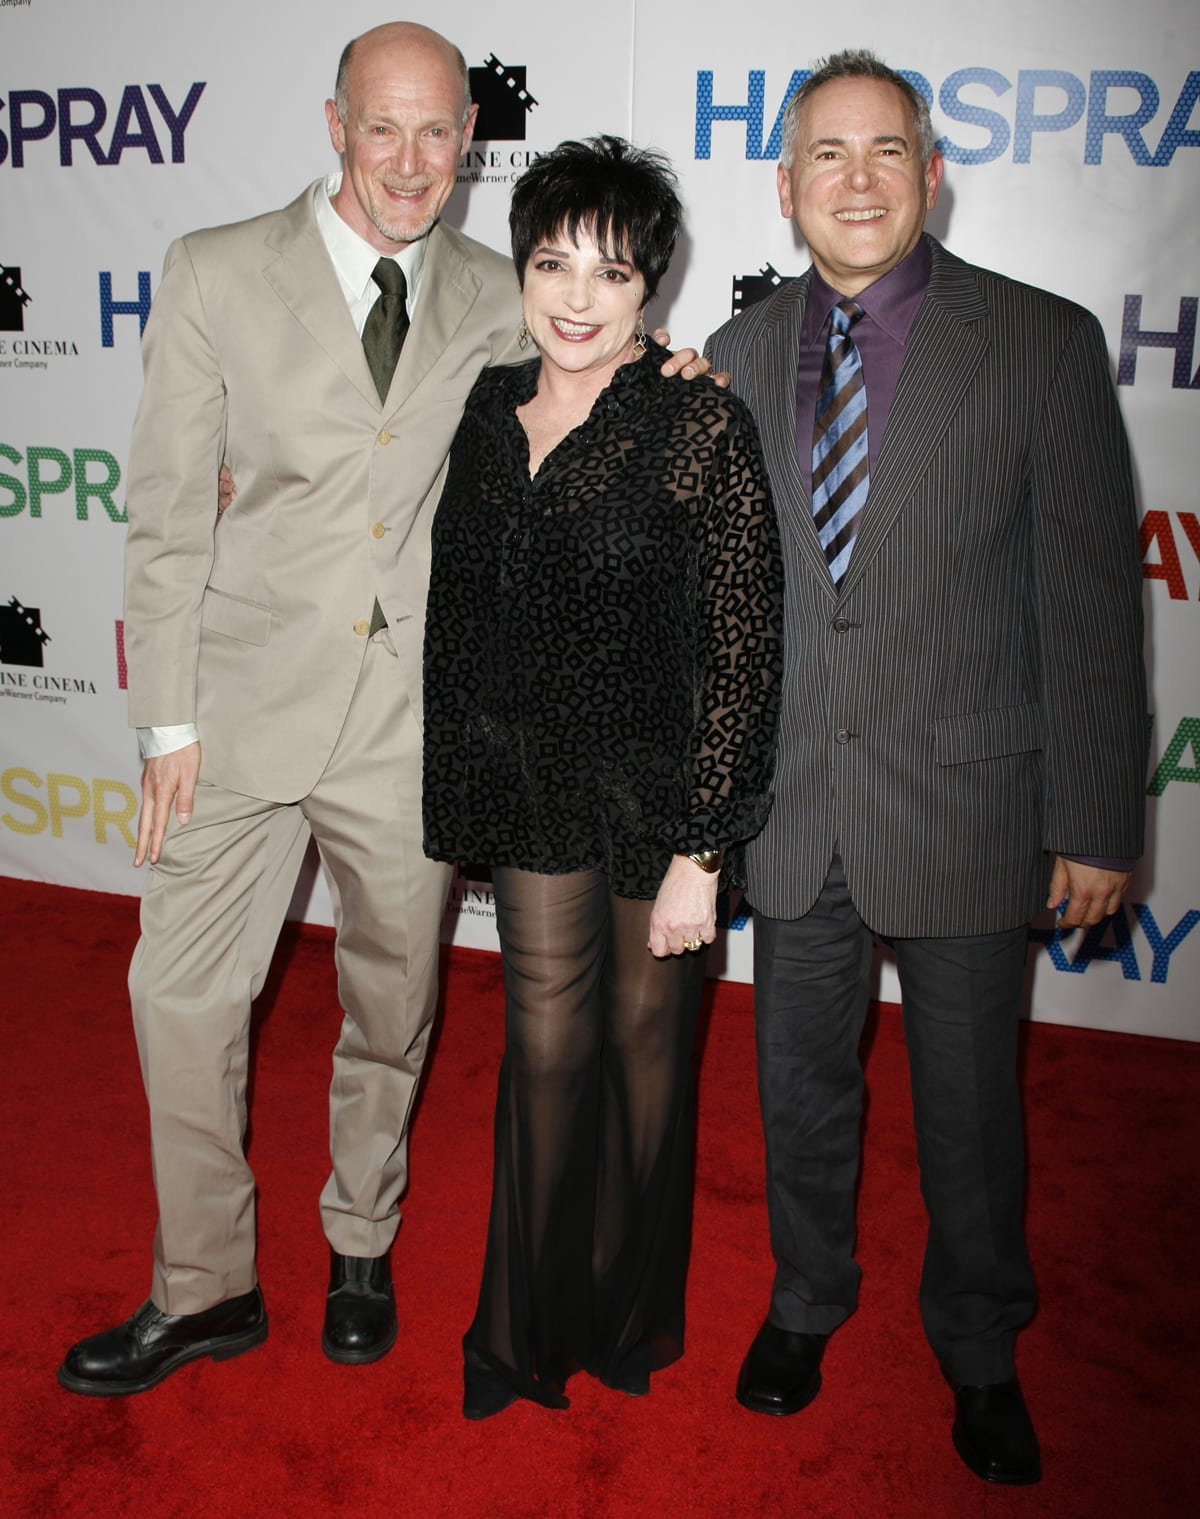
{"x": 155, "y": 741}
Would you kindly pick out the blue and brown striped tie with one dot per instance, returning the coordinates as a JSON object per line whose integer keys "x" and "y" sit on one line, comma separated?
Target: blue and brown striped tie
{"x": 840, "y": 462}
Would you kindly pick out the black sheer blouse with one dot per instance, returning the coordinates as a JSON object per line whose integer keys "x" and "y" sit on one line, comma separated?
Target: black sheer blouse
{"x": 603, "y": 642}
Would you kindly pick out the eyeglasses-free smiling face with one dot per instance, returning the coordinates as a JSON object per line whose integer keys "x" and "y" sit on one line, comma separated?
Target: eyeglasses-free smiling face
{"x": 857, "y": 189}
{"x": 401, "y": 138}
{"x": 581, "y": 303}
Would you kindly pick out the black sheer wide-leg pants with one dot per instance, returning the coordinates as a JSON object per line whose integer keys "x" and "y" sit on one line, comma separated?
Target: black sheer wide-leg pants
{"x": 590, "y": 1221}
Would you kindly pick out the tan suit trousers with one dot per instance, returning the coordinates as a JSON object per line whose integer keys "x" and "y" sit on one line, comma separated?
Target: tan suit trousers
{"x": 210, "y": 919}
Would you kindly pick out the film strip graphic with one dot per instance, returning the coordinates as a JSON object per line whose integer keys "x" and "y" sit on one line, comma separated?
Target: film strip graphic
{"x": 8, "y": 278}
{"x": 749, "y": 289}
{"x": 31, "y": 621}
{"x": 510, "y": 80}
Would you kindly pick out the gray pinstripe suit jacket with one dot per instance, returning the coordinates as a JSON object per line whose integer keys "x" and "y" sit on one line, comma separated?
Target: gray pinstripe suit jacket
{"x": 973, "y": 694}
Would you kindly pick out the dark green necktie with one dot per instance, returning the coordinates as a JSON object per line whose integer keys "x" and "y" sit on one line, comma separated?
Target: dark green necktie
{"x": 383, "y": 338}
{"x": 387, "y": 324}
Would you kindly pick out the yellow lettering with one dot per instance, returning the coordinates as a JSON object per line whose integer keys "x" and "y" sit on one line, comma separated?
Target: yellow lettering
{"x": 8, "y": 786}
{"x": 55, "y": 784}
{"x": 120, "y": 819}
{"x": 112, "y": 805}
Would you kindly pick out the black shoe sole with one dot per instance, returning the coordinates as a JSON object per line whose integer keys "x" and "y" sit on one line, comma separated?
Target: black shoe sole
{"x": 1024, "y": 1479}
{"x": 778, "y": 1409}
{"x": 362, "y": 1357}
{"x": 220, "y": 1348}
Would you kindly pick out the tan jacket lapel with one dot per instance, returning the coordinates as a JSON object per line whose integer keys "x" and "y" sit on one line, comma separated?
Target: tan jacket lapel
{"x": 299, "y": 270}
{"x": 449, "y": 288}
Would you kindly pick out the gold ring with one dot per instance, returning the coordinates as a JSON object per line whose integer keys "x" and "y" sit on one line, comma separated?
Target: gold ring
{"x": 692, "y": 943}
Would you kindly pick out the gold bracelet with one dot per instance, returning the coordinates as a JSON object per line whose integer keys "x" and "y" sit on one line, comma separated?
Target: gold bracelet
{"x": 709, "y": 860}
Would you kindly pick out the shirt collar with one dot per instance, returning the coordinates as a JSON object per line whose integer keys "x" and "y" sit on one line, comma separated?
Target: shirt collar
{"x": 891, "y": 302}
{"x": 353, "y": 257}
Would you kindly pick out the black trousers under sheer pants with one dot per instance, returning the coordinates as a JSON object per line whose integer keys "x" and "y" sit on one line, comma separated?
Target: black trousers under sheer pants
{"x": 591, "y": 1210}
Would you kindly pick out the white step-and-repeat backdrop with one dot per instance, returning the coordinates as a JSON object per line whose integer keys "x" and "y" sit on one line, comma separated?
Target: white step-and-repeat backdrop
{"x": 1071, "y": 134}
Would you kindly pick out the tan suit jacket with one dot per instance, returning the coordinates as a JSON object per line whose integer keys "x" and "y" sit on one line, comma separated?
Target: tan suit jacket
{"x": 255, "y": 628}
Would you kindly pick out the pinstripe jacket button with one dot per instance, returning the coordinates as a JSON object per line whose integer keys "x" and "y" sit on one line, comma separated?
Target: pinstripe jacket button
{"x": 841, "y": 624}
{"x": 843, "y": 735}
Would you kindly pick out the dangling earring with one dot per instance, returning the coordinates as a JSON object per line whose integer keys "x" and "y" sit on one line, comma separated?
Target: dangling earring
{"x": 522, "y": 335}
{"x": 639, "y": 337}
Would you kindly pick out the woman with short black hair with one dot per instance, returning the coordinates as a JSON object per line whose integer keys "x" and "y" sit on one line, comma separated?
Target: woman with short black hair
{"x": 601, "y": 682}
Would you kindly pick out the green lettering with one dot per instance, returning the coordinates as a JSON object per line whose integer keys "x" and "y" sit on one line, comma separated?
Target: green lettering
{"x": 16, "y": 506}
{"x": 1185, "y": 737}
{"x": 52, "y": 487}
{"x": 97, "y": 490}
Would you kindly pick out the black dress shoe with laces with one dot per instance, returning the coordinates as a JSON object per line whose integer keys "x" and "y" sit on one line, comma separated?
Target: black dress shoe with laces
{"x": 993, "y": 1433}
{"x": 782, "y": 1371}
{"x": 148, "y": 1347}
{"x": 360, "y": 1311}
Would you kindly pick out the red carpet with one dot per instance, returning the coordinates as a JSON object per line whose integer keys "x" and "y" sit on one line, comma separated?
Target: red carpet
{"x": 1109, "y": 1365}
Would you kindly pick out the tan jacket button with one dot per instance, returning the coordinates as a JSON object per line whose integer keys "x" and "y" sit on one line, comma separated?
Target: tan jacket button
{"x": 377, "y": 530}
{"x": 362, "y": 627}
{"x": 383, "y": 437}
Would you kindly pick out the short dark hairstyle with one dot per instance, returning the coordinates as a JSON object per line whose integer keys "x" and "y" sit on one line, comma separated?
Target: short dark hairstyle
{"x": 625, "y": 197}
{"x": 856, "y": 63}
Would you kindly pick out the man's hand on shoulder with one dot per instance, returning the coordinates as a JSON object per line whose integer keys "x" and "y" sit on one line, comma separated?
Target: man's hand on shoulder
{"x": 166, "y": 779}
{"x": 1086, "y": 893}
{"x": 687, "y": 362}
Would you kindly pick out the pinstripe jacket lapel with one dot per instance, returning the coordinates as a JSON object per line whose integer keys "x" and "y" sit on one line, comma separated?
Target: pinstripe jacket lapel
{"x": 946, "y": 346}
{"x": 772, "y": 392}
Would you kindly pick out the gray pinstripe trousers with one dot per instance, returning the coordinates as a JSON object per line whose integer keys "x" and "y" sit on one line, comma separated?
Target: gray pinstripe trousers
{"x": 961, "y": 1000}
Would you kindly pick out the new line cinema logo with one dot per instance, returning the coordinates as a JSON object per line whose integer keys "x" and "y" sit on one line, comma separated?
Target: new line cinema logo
{"x": 13, "y": 300}
{"x": 23, "y": 644}
{"x": 505, "y": 105}
{"x": 25, "y": 352}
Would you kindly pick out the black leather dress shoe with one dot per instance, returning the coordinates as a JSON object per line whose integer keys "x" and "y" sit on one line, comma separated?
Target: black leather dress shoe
{"x": 360, "y": 1311}
{"x": 993, "y": 1433}
{"x": 782, "y": 1371}
{"x": 148, "y": 1347}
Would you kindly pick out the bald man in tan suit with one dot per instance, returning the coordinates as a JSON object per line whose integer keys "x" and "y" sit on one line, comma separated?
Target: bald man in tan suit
{"x": 280, "y": 650}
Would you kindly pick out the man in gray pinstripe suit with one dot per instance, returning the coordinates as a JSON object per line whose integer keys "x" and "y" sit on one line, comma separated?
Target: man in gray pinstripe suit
{"x": 963, "y": 725}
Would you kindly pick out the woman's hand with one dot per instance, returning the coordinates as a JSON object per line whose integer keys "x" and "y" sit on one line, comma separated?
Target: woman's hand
{"x": 684, "y": 910}
{"x": 226, "y": 490}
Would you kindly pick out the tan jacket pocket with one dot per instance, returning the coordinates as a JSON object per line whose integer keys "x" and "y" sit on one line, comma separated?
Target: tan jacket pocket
{"x": 247, "y": 621}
